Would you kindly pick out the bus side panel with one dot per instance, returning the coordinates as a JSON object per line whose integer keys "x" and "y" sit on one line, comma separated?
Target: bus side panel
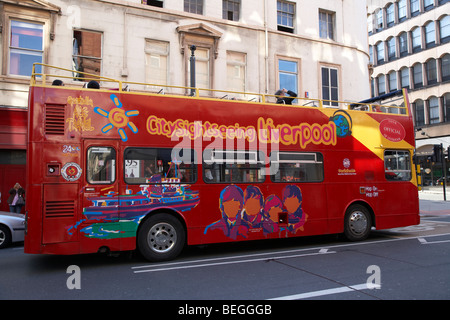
{"x": 59, "y": 213}
{"x": 33, "y": 233}
{"x": 225, "y": 212}
{"x": 399, "y": 207}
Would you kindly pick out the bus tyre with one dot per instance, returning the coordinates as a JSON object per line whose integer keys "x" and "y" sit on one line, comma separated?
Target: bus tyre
{"x": 161, "y": 237}
{"x": 358, "y": 223}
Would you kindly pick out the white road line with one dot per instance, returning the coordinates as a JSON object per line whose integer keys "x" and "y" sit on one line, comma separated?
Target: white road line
{"x": 320, "y": 293}
{"x": 321, "y": 252}
{"x": 424, "y": 241}
{"x": 266, "y": 256}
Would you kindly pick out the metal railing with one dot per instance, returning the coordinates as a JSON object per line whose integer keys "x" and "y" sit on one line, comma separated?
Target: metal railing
{"x": 74, "y": 79}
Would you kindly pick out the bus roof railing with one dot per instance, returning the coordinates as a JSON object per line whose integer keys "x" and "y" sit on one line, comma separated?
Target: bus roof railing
{"x": 77, "y": 77}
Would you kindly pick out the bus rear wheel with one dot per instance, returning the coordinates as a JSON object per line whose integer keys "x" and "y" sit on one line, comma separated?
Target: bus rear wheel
{"x": 358, "y": 223}
{"x": 161, "y": 237}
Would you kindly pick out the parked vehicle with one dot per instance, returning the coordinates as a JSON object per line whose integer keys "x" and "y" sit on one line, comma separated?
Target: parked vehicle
{"x": 12, "y": 228}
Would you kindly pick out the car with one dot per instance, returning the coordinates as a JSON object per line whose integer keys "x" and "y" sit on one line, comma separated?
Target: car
{"x": 12, "y": 228}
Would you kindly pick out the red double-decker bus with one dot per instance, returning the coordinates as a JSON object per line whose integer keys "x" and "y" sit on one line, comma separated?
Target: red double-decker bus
{"x": 125, "y": 167}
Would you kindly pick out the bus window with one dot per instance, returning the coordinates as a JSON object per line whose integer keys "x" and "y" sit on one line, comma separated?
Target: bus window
{"x": 148, "y": 165}
{"x": 101, "y": 165}
{"x": 297, "y": 167}
{"x": 224, "y": 166}
{"x": 397, "y": 165}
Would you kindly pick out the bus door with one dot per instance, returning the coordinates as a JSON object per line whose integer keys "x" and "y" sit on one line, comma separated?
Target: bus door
{"x": 100, "y": 194}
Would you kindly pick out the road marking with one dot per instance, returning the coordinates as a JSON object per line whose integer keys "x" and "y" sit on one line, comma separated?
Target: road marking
{"x": 266, "y": 256}
{"x": 424, "y": 241}
{"x": 326, "y": 292}
{"x": 193, "y": 264}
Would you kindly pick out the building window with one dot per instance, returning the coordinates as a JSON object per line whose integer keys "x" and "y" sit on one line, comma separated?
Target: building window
{"x": 202, "y": 68}
{"x": 381, "y": 79}
{"x": 87, "y": 52}
{"x": 416, "y": 39}
{"x": 288, "y": 74}
{"x": 444, "y": 28}
{"x": 415, "y": 8}
{"x": 236, "y": 69}
{"x": 403, "y": 44}
{"x": 285, "y": 16}
{"x": 445, "y": 67}
{"x": 371, "y": 54}
{"x": 402, "y": 10}
{"x": 404, "y": 72}
{"x": 417, "y": 76}
{"x": 391, "y": 49}
{"x": 153, "y": 3}
{"x": 392, "y": 81}
{"x": 379, "y": 20}
{"x": 434, "y": 110}
{"x": 230, "y": 9}
{"x": 380, "y": 52}
{"x": 430, "y": 35}
{"x": 26, "y": 47}
{"x": 390, "y": 15}
{"x": 326, "y": 24}
{"x": 156, "y": 62}
{"x": 428, "y": 4}
{"x": 193, "y": 6}
{"x": 446, "y": 104}
{"x": 431, "y": 71}
{"x": 330, "y": 86}
{"x": 419, "y": 113}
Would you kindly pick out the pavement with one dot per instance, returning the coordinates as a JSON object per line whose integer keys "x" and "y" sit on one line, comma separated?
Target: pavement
{"x": 431, "y": 201}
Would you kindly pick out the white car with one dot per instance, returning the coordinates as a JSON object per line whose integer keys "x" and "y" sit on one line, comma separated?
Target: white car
{"x": 12, "y": 228}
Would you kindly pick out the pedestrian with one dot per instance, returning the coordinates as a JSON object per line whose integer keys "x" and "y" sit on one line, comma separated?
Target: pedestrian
{"x": 16, "y": 198}
{"x": 281, "y": 96}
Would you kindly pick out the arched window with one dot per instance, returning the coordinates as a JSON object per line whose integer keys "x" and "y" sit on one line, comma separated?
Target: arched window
{"x": 433, "y": 104}
{"x": 416, "y": 36}
{"x": 380, "y": 52}
{"x": 390, "y": 15}
{"x": 401, "y": 10}
{"x": 403, "y": 44}
{"x": 419, "y": 112}
{"x": 381, "y": 84}
{"x": 446, "y": 105}
{"x": 417, "y": 75}
{"x": 391, "y": 48}
{"x": 392, "y": 81}
{"x": 430, "y": 35}
{"x": 444, "y": 29}
{"x": 430, "y": 66}
{"x": 445, "y": 67}
{"x": 404, "y": 73}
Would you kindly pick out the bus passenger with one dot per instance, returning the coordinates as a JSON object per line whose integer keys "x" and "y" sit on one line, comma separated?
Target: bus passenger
{"x": 282, "y": 99}
{"x": 230, "y": 203}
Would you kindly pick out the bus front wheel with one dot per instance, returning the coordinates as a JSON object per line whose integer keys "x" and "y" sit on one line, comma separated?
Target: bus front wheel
{"x": 161, "y": 237}
{"x": 358, "y": 223}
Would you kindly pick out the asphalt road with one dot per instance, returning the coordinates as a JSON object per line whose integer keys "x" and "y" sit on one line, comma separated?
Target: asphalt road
{"x": 405, "y": 263}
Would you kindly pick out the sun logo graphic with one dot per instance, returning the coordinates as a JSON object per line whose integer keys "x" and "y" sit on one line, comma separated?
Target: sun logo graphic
{"x": 118, "y": 118}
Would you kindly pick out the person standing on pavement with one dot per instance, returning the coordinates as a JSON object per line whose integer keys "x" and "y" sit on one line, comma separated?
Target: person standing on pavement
{"x": 16, "y": 198}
